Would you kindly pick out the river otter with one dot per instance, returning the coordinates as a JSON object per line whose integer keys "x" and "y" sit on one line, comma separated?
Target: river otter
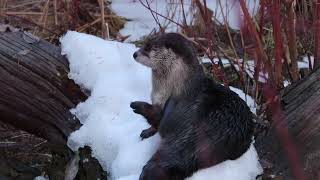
{"x": 201, "y": 123}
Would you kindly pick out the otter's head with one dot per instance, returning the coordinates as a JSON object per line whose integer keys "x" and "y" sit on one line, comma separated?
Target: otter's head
{"x": 163, "y": 52}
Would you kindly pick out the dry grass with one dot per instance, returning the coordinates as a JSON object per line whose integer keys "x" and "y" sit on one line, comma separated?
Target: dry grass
{"x": 24, "y": 147}
{"x": 49, "y": 19}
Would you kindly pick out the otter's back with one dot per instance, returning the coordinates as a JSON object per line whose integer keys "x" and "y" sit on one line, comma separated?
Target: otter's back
{"x": 215, "y": 119}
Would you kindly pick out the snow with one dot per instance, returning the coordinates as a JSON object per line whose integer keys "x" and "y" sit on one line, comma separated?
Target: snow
{"x": 237, "y": 169}
{"x": 305, "y": 62}
{"x": 215, "y": 60}
{"x": 249, "y": 67}
{"x": 142, "y": 23}
{"x": 108, "y": 70}
{"x": 302, "y": 64}
{"x": 40, "y": 178}
{"x": 286, "y": 83}
{"x": 250, "y": 64}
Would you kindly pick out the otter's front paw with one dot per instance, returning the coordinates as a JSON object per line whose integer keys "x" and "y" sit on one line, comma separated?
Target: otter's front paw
{"x": 153, "y": 172}
{"x": 141, "y": 108}
{"x": 148, "y": 133}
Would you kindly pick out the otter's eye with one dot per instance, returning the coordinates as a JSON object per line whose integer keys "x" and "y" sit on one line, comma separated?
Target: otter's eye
{"x": 147, "y": 47}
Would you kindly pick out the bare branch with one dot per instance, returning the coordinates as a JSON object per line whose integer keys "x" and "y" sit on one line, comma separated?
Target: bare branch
{"x": 151, "y": 10}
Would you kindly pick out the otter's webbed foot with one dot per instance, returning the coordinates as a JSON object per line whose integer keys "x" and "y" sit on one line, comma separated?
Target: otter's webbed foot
{"x": 148, "y": 132}
{"x": 152, "y": 113}
{"x": 141, "y": 108}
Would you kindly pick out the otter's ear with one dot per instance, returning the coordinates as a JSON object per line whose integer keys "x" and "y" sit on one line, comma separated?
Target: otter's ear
{"x": 168, "y": 44}
{"x": 147, "y": 47}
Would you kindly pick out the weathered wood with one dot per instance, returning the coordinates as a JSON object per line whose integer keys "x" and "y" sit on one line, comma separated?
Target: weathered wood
{"x": 36, "y": 96}
{"x": 91, "y": 169}
{"x": 301, "y": 107}
{"x": 11, "y": 168}
{"x": 35, "y": 93}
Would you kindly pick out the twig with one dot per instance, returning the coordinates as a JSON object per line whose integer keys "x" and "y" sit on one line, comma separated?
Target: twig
{"x": 7, "y": 142}
{"x": 226, "y": 24}
{"x": 20, "y": 4}
{"x": 33, "y": 23}
{"x": 3, "y": 5}
{"x": 82, "y": 28}
{"x": 55, "y": 12}
{"x": 292, "y": 38}
{"x": 172, "y": 9}
{"x": 46, "y": 16}
{"x": 157, "y": 17}
{"x": 183, "y": 14}
{"x": 23, "y": 13}
{"x": 259, "y": 48}
{"x": 107, "y": 30}
{"x": 151, "y": 11}
{"x": 262, "y": 13}
{"x": 103, "y": 24}
{"x": 316, "y": 32}
{"x": 180, "y": 25}
{"x": 278, "y": 44}
{"x": 42, "y": 16}
{"x": 39, "y": 144}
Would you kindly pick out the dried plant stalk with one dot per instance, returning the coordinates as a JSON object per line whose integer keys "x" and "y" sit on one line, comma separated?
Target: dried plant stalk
{"x": 316, "y": 22}
{"x": 103, "y": 23}
{"x": 275, "y": 11}
{"x": 292, "y": 38}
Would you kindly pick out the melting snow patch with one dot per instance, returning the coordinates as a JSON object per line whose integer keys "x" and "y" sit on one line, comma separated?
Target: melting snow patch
{"x": 142, "y": 22}
{"x": 110, "y": 127}
{"x": 245, "y": 168}
{"x": 40, "y": 178}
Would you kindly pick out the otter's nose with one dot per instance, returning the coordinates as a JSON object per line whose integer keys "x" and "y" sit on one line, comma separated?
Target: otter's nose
{"x": 135, "y": 55}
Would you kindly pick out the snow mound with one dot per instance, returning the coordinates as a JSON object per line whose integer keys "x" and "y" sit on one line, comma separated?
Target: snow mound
{"x": 40, "y": 178}
{"x": 142, "y": 22}
{"x": 110, "y": 127}
{"x": 246, "y": 167}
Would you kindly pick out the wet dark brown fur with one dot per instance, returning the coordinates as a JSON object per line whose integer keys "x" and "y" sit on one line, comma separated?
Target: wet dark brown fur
{"x": 201, "y": 123}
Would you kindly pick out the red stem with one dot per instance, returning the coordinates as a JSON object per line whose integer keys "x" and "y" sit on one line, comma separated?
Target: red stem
{"x": 281, "y": 128}
{"x": 316, "y": 34}
{"x": 261, "y": 12}
{"x": 275, "y": 13}
{"x": 258, "y": 44}
{"x": 153, "y": 11}
{"x": 292, "y": 38}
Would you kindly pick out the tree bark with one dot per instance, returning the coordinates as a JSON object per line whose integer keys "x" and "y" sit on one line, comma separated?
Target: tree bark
{"x": 316, "y": 32}
{"x": 292, "y": 37}
{"x": 300, "y": 104}
{"x": 35, "y": 93}
{"x": 36, "y": 96}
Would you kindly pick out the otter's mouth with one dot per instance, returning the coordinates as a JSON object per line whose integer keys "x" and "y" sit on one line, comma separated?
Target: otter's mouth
{"x": 142, "y": 58}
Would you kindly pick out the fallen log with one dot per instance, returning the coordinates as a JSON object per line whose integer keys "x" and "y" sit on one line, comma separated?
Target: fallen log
{"x": 10, "y": 168}
{"x": 36, "y": 96}
{"x": 35, "y": 93}
{"x": 300, "y": 103}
